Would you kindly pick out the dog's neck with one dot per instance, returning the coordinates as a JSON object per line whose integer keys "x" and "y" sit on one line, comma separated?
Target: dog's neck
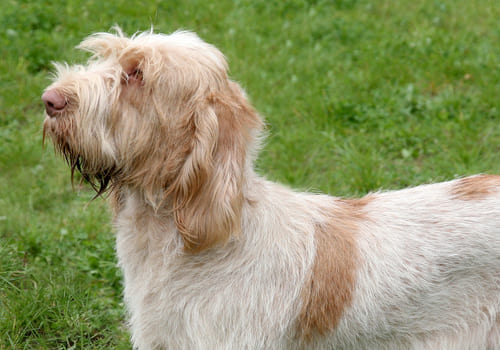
{"x": 124, "y": 195}
{"x": 134, "y": 205}
{"x": 161, "y": 205}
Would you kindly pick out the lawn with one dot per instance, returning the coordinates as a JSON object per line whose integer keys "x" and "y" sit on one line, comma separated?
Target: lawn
{"x": 358, "y": 96}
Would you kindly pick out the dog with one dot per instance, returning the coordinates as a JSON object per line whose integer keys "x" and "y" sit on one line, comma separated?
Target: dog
{"x": 214, "y": 256}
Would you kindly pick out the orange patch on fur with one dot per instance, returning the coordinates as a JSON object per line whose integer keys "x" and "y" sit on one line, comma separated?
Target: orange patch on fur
{"x": 475, "y": 187}
{"x": 332, "y": 280}
{"x": 208, "y": 205}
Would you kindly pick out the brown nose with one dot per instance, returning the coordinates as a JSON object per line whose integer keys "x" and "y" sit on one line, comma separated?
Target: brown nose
{"x": 54, "y": 102}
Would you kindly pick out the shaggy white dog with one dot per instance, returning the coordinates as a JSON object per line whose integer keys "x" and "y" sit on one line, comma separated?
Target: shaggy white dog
{"x": 216, "y": 257}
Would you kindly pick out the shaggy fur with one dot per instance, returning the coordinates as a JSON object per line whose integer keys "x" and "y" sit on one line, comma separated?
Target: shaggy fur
{"x": 216, "y": 257}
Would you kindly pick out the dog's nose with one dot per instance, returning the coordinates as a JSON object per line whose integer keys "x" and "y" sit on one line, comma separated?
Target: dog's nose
{"x": 54, "y": 102}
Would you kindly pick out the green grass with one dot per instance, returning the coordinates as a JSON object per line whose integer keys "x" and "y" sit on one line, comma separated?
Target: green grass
{"x": 358, "y": 95}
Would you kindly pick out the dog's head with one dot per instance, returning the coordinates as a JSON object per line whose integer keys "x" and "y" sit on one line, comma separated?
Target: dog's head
{"x": 157, "y": 114}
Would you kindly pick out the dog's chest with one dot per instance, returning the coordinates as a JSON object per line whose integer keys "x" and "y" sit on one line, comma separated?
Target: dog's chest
{"x": 172, "y": 291}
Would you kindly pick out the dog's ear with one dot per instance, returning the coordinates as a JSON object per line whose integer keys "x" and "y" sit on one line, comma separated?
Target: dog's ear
{"x": 208, "y": 194}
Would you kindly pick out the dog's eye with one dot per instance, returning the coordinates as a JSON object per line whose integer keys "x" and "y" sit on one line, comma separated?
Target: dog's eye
{"x": 134, "y": 75}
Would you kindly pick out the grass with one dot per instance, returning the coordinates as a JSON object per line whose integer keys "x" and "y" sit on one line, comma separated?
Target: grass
{"x": 358, "y": 95}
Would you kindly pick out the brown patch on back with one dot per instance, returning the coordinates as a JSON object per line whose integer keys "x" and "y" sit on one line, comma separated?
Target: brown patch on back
{"x": 475, "y": 187}
{"x": 332, "y": 280}
{"x": 358, "y": 203}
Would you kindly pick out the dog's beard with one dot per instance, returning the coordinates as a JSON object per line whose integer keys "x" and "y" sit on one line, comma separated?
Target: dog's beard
{"x": 99, "y": 179}
{"x": 98, "y": 176}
